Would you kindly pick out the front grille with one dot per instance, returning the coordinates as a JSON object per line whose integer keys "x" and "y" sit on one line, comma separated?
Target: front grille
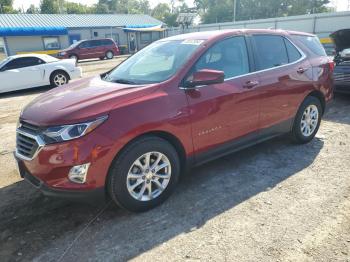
{"x": 26, "y": 146}
{"x": 32, "y": 129}
{"x": 341, "y": 77}
{"x": 28, "y": 141}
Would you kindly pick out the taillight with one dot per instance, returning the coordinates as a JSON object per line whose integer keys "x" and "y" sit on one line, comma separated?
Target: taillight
{"x": 331, "y": 65}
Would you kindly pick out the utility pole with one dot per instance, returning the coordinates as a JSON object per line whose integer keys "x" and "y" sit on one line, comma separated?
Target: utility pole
{"x": 234, "y": 10}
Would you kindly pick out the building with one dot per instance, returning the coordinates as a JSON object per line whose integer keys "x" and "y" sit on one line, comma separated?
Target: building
{"x": 320, "y": 24}
{"x": 48, "y": 33}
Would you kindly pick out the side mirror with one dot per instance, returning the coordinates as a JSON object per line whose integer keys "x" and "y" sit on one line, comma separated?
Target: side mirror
{"x": 205, "y": 77}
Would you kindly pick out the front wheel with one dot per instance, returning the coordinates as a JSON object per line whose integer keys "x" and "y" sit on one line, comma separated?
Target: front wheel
{"x": 307, "y": 120}
{"x": 59, "y": 78}
{"x": 144, "y": 175}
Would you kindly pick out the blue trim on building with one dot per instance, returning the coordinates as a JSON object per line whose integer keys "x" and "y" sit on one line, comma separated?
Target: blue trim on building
{"x": 32, "y": 31}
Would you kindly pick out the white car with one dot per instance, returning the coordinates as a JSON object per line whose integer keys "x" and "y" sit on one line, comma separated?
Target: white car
{"x": 33, "y": 70}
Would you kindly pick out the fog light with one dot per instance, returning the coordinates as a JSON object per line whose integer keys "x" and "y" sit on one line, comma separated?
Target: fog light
{"x": 77, "y": 174}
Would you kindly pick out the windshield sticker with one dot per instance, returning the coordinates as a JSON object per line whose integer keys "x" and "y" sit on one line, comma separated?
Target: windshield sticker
{"x": 192, "y": 42}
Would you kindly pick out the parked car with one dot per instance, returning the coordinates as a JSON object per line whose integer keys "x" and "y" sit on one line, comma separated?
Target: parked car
{"x": 86, "y": 49}
{"x": 177, "y": 103}
{"x": 341, "y": 39}
{"x": 33, "y": 70}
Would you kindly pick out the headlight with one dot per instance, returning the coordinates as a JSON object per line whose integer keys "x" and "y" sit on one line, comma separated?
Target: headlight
{"x": 63, "y": 53}
{"x": 69, "y": 132}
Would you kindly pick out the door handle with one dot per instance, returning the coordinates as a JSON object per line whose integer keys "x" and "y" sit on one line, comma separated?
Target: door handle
{"x": 250, "y": 84}
{"x": 301, "y": 70}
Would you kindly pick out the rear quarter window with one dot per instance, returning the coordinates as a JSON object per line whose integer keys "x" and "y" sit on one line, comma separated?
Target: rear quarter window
{"x": 312, "y": 43}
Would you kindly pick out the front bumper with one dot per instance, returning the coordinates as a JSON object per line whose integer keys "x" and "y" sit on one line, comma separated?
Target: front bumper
{"x": 95, "y": 195}
{"x": 76, "y": 73}
{"x": 49, "y": 168}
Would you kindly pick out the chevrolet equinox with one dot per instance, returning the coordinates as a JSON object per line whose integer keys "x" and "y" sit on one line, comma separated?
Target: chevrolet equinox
{"x": 130, "y": 133}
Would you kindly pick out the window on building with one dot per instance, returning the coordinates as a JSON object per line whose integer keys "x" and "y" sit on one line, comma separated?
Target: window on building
{"x": 271, "y": 51}
{"x": 95, "y": 34}
{"x": 146, "y": 38}
{"x": 115, "y": 37}
{"x": 51, "y": 43}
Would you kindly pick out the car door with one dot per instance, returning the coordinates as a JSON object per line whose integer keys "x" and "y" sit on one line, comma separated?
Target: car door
{"x": 85, "y": 50}
{"x": 96, "y": 49}
{"x": 284, "y": 76}
{"x": 20, "y": 73}
{"x": 224, "y": 112}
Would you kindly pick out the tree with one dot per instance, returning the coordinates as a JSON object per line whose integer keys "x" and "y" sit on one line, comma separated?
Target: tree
{"x": 212, "y": 11}
{"x": 33, "y": 10}
{"x": 75, "y": 8}
{"x": 100, "y": 9}
{"x": 49, "y": 7}
{"x": 6, "y": 7}
{"x": 160, "y": 11}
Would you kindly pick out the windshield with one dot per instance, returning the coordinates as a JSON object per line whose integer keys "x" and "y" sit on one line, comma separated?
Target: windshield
{"x": 4, "y": 61}
{"x": 155, "y": 63}
{"x": 75, "y": 44}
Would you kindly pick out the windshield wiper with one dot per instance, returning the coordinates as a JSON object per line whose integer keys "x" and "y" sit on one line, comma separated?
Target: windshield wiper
{"x": 123, "y": 81}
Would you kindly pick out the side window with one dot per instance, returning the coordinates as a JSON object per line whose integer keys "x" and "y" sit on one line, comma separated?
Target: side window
{"x": 293, "y": 53}
{"x": 23, "y": 62}
{"x": 229, "y": 56}
{"x": 85, "y": 44}
{"x": 106, "y": 42}
{"x": 94, "y": 43}
{"x": 271, "y": 51}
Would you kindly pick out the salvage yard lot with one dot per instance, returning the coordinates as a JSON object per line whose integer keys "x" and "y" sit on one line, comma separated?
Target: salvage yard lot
{"x": 273, "y": 202}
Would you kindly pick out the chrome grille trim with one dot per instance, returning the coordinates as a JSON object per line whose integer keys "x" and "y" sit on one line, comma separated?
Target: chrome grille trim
{"x": 28, "y": 145}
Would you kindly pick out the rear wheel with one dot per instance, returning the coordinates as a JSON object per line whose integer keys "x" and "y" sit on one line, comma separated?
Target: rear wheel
{"x": 144, "y": 174}
{"x": 59, "y": 78}
{"x": 109, "y": 55}
{"x": 307, "y": 120}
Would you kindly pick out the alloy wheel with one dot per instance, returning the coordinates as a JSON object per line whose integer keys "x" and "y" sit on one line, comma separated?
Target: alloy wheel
{"x": 309, "y": 120}
{"x": 148, "y": 176}
{"x": 60, "y": 79}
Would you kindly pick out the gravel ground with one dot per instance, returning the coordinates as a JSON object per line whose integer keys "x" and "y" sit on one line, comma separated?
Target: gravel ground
{"x": 272, "y": 202}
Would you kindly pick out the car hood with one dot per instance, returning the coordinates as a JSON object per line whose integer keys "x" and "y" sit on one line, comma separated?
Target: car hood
{"x": 82, "y": 100}
{"x": 341, "y": 39}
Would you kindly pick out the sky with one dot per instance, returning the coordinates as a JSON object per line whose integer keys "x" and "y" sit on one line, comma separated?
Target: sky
{"x": 341, "y": 5}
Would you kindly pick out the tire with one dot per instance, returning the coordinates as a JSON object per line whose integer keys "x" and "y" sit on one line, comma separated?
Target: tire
{"x": 306, "y": 124}
{"x": 59, "y": 78}
{"x": 120, "y": 181}
{"x": 109, "y": 55}
{"x": 74, "y": 57}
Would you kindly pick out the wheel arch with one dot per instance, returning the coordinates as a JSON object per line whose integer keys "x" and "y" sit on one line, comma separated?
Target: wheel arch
{"x": 320, "y": 96}
{"x": 170, "y": 138}
{"x": 57, "y": 70}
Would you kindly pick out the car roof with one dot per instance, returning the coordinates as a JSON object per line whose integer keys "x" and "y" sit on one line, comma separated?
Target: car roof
{"x": 44, "y": 57}
{"x": 209, "y": 35}
{"x": 86, "y": 40}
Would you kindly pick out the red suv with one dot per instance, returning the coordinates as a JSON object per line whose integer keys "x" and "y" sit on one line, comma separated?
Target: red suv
{"x": 86, "y": 49}
{"x": 130, "y": 133}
